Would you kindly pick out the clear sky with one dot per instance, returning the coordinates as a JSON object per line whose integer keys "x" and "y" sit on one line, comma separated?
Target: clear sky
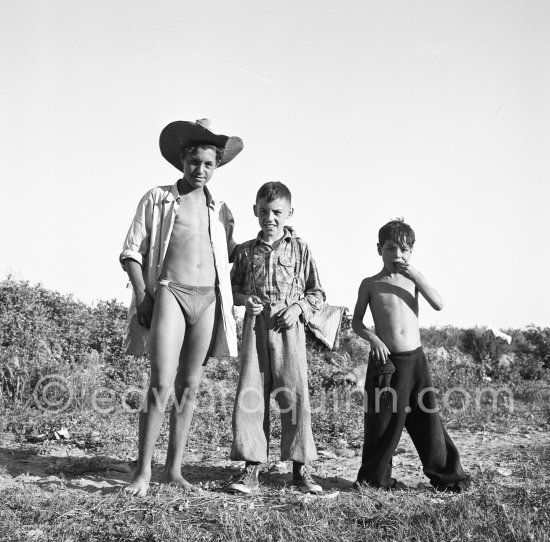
{"x": 433, "y": 110}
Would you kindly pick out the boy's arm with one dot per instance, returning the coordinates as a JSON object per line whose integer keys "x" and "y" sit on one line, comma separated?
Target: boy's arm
{"x": 252, "y": 303}
{"x": 134, "y": 250}
{"x": 378, "y": 348}
{"x": 429, "y": 293}
{"x": 313, "y": 299}
{"x": 136, "y": 244}
{"x": 144, "y": 302}
{"x": 314, "y": 295}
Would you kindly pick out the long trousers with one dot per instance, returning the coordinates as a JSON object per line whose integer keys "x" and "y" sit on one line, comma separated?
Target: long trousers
{"x": 409, "y": 403}
{"x": 272, "y": 362}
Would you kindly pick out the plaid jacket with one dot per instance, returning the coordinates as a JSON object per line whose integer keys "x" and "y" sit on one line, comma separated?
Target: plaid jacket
{"x": 284, "y": 272}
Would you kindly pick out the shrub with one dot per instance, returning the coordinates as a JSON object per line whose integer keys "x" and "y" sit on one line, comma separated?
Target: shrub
{"x": 445, "y": 336}
{"x": 485, "y": 348}
{"x": 532, "y": 352}
{"x": 40, "y": 322}
{"x": 107, "y": 329}
{"x": 43, "y": 333}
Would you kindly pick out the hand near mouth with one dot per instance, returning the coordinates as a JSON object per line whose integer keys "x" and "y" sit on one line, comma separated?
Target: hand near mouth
{"x": 400, "y": 266}
{"x": 407, "y": 270}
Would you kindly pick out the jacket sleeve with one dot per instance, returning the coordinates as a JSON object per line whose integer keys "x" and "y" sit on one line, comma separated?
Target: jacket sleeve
{"x": 136, "y": 244}
{"x": 314, "y": 295}
{"x": 229, "y": 225}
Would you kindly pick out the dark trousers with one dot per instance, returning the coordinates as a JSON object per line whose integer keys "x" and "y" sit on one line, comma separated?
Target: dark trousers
{"x": 409, "y": 403}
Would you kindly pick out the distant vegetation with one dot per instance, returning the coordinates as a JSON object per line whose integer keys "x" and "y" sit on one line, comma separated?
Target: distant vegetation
{"x": 43, "y": 332}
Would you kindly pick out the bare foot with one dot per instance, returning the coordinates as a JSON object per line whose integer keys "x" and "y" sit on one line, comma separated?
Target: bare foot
{"x": 139, "y": 486}
{"x": 178, "y": 480}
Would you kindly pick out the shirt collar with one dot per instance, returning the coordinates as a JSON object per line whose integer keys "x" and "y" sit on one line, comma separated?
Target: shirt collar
{"x": 287, "y": 236}
{"x": 174, "y": 195}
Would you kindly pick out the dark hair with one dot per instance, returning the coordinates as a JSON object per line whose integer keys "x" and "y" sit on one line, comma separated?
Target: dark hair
{"x": 398, "y": 231}
{"x": 274, "y": 190}
{"x": 189, "y": 148}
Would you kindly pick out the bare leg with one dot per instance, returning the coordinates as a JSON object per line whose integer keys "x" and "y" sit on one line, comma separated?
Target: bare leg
{"x": 198, "y": 342}
{"x": 166, "y": 338}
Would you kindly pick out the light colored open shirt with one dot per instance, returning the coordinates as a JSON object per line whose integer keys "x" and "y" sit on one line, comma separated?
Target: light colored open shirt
{"x": 147, "y": 242}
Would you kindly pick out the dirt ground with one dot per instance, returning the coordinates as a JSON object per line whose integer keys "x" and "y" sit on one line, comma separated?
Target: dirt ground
{"x": 52, "y": 464}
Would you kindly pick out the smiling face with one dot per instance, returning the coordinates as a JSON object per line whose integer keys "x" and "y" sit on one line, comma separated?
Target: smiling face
{"x": 272, "y": 217}
{"x": 199, "y": 166}
{"x": 392, "y": 252}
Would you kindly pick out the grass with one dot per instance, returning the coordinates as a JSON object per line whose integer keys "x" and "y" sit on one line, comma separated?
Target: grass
{"x": 495, "y": 509}
{"x": 489, "y": 512}
{"x": 43, "y": 333}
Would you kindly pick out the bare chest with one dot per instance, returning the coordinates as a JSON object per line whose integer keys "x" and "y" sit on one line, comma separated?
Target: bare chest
{"x": 191, "y": 221}
{"x": 394, "y": 296}
{"x": 189, "y": 257}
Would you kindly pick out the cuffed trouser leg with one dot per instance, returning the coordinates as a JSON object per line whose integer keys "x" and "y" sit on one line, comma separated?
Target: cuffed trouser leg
{"x": 251, "y": 409}
{"x": 272, "y": 361}
{"x": 290, "y": 389}
{"x": 437, "y": 451}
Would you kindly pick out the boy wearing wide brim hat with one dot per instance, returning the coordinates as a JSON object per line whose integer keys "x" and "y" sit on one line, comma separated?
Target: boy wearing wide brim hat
{"x": 176, "y": 254}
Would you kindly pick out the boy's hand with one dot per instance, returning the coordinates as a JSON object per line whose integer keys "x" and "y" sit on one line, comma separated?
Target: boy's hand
{"x": 384, "y": 368}
{"x": 254, "y": 305}
{"x": 289, "y": 317}
{"x": 407, "y": 271}
{"x": 144, "y": 308}
{"x": 378, "y": 350}
{"x": 431, "y": 295}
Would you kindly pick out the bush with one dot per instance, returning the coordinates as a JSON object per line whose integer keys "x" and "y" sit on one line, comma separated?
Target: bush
{"x": 36, "y": 321}
{"x": 446, "y": 336}
{"x": 532, "y": 352}
{"x": 485, "y": 348}
{"x": 43, "y": 333}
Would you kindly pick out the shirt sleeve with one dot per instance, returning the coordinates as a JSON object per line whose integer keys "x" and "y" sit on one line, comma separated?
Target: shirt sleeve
{"x": 314, "y": 295}
{"x": 136, "y": 244}
{"x": 229, "y": 225}
{"x": 238, "y": 272}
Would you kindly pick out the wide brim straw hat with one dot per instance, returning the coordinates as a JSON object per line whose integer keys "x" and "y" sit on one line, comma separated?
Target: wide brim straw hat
{"x": 182, "y": 132}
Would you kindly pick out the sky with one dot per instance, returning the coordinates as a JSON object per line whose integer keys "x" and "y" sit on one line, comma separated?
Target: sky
{"x": 432, "y": 110}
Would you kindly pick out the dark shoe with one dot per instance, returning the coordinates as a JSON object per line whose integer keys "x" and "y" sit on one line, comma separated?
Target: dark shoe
{"x": 397, "y": 486}
{"x": 458, "y": 487}
{"x": 304, "y": 482}
{"x": 247, "y": 481}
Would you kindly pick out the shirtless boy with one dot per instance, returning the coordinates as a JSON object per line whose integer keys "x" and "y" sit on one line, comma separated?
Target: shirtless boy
{"x": 176, "y": 256}
{"x": 398, "y": 387}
